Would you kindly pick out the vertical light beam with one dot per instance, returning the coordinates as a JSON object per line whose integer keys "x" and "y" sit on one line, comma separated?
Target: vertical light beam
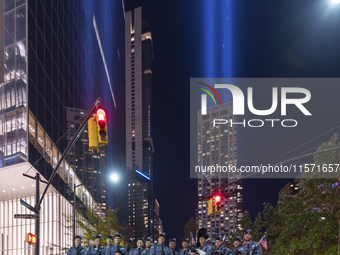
{"x": 209, "y": 38}
{"x": 226, "y": 7}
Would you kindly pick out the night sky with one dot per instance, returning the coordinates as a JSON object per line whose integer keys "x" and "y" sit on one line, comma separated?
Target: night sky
{"x": 269, "y": 39}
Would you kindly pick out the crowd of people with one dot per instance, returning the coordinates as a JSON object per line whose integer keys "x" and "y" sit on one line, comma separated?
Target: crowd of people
{"x": 145, "y": 247}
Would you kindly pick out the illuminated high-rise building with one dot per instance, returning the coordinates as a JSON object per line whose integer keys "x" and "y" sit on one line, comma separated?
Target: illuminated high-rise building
{"x": 218, "y": 145}
{"x": 50, "y": 59}
{"x": 139, "y": 143}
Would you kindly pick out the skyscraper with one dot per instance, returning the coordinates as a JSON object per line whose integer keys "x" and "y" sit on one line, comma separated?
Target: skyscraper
{"x": 139, "y": 144}
{"x": 50, "y": 59}
{"x": 218, "y": 145}
{"x": 190, "y": 228}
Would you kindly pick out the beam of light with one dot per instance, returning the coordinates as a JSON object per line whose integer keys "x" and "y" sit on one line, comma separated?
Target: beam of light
{"x": 103, "y": 57}
{"x": 123, "y": 4}
{"x": 335, "y": 1}
{"x": 226, "y": 48}
{"x": 145, "y": 176}
{"x": 209, "y": 38}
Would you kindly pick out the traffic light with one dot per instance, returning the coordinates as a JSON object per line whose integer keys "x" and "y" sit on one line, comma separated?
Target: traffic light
{"x": 218, "y": 202}
{"x": 101, "y": 119}
{"x": 93, "y": 134}
{"x": 210, "y": 207}
{"x": 31, "y": 239}
{"x": 97, "y": 130}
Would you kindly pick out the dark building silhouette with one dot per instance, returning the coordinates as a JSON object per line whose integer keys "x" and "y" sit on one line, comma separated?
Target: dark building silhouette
{"x": 139, "y": 143}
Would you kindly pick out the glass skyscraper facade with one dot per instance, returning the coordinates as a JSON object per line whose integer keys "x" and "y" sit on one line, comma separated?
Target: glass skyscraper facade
{"x": 13, "y": 83}
{"x": 52, "y": 56}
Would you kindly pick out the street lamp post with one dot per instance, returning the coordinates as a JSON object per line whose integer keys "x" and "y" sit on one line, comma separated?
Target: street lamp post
{"x": 74, "y": 210}
{"x": 114, "y": 177}
{"x": 74, "y": 207}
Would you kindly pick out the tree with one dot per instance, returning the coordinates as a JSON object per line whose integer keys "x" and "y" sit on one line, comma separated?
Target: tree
{"x": 107, "y": 225}
{"x": 96, "y": 223}
{"x": 246, "y": 223}
{"x": 308, "y": 222}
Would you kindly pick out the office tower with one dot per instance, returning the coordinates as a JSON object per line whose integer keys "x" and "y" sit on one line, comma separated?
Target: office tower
{"x": 190, "y": 228}
{"x": 49, "y": 52}
{"x": 139, "y": 144}
{"x": 218, "y": 145}
{"x": 157, "y": 218}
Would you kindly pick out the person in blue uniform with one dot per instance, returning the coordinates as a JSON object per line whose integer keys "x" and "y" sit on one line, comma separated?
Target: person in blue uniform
{"x": 106, "y": 249}
{"x": 202, "y": 236}
{"x": 128, "y": 246}
{"x": 237, "y": 246}
{"x": 219, "y": 249}
{"x": 139, "y": 249}
{"x": 95, "y": 249}
{"x": 77, "y": 249}
{"x": 185, "y": 245}
{"x": 194, "y": 252}
{"x": 146, "y": 251}
{"x": 112, "y": 248}
{"x": 159, "y": 248}
{"x": 172, "y": 246}
{"x": 251, "y": 247}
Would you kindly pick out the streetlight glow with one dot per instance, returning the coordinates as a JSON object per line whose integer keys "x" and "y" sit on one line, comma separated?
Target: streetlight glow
{"x": 114, "y": 177}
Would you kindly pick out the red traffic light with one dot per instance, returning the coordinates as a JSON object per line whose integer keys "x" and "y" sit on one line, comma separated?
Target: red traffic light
{"x": 217, "y": 198}
{"x": 101, "y": 114}
{"x": 30, "y": 238}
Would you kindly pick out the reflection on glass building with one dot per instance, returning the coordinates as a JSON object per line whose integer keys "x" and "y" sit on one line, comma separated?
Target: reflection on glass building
{"x": 13, "y": 79}
{"x": 51, "y": 60}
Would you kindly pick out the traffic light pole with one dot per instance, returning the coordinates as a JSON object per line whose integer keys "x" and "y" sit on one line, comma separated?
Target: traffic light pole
{"x": 74, "y": 139}
{"x": 74, "y": 208}
{"x": 39, "y": 201}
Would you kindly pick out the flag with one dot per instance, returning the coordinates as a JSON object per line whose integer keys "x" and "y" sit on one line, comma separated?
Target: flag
{"x": 224, "y": 244}
{"x": 263, "y": 242}
{"x": 193, "y": 240}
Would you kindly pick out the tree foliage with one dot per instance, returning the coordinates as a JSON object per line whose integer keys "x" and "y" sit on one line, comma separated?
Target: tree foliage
{"x": 107, "y": 225}
{"x": 246, "y": 223}
{"x": 95, "y": 224}
{"x": 308, "y": 222}
{"x": 305, "y": 223}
